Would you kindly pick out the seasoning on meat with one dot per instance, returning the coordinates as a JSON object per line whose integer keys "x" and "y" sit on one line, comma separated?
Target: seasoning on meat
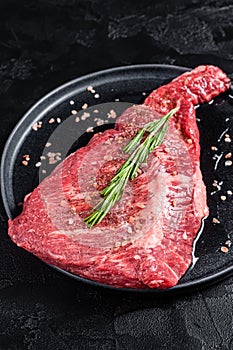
{"x": 146, "y": 240}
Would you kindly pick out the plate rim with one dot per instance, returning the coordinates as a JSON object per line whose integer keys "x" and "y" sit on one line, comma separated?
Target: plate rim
{"x": 57, "y": 95}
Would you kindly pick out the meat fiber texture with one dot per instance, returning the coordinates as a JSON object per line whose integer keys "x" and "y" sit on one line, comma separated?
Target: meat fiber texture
{"x": 146, "y": 239}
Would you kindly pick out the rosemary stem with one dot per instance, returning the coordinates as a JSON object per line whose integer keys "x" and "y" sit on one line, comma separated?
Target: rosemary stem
{"x": 139, "y": 151}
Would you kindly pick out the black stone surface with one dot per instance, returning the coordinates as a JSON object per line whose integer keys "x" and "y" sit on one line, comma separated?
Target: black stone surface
{"x": 43, "y": 44}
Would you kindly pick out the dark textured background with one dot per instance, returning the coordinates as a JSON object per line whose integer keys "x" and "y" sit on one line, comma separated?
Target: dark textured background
{"x": 43, "y": 44}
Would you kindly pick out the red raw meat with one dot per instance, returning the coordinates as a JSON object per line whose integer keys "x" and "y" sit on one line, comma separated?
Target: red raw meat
{"x": 146, "y": 239}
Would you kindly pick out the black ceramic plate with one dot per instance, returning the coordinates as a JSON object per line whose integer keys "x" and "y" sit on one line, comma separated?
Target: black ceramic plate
{"x": 132, "y": 84}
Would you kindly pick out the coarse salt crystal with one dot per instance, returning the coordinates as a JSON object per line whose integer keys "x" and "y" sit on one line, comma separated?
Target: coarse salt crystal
{"x": 229, "y": 192}
{"x": 107, "y": 157}
{"x": 71, "y": 221}
{"x": 58, "y": 120}
{"x": 215, "y": 221}
{"x": 26, "y": 157}
{"x": 97, "y": 96}
{"x": 48, "y": 144}
{"x": 38, "y": 164}
{"x": 112, "y": 114}
{"x": 228, "y": 155}
{"x": 137, "y": 257}
{"x": 224, "y": 249}
{"x": 50, "y": 154}
{"x": 90, "y": 129}
{"x": 228, "y": 163}
{"x": 100, "y": 122}
{"x": 73, "y": 209}
{"x": 34, "y": 127}
{"x": 51, "y": 120}
{"x": 74, "y": 111}
{"x": 71, "y": 102}
{"x": 130, "y": 230}
{"x": 141, "y": 205}
{"x": 84, "y": 106}
{"x": 223, "y": 198}
{"x": 85, "y": 115}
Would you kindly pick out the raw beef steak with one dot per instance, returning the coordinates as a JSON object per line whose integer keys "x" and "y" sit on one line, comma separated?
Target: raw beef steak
{"x": 146, "y": 239}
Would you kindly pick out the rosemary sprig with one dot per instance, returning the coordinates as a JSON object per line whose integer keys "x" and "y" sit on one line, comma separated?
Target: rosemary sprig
{"x": 139, "y": 152}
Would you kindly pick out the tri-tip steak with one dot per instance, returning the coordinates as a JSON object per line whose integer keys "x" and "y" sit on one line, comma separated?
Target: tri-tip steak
{"x": 146, "y": 239}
